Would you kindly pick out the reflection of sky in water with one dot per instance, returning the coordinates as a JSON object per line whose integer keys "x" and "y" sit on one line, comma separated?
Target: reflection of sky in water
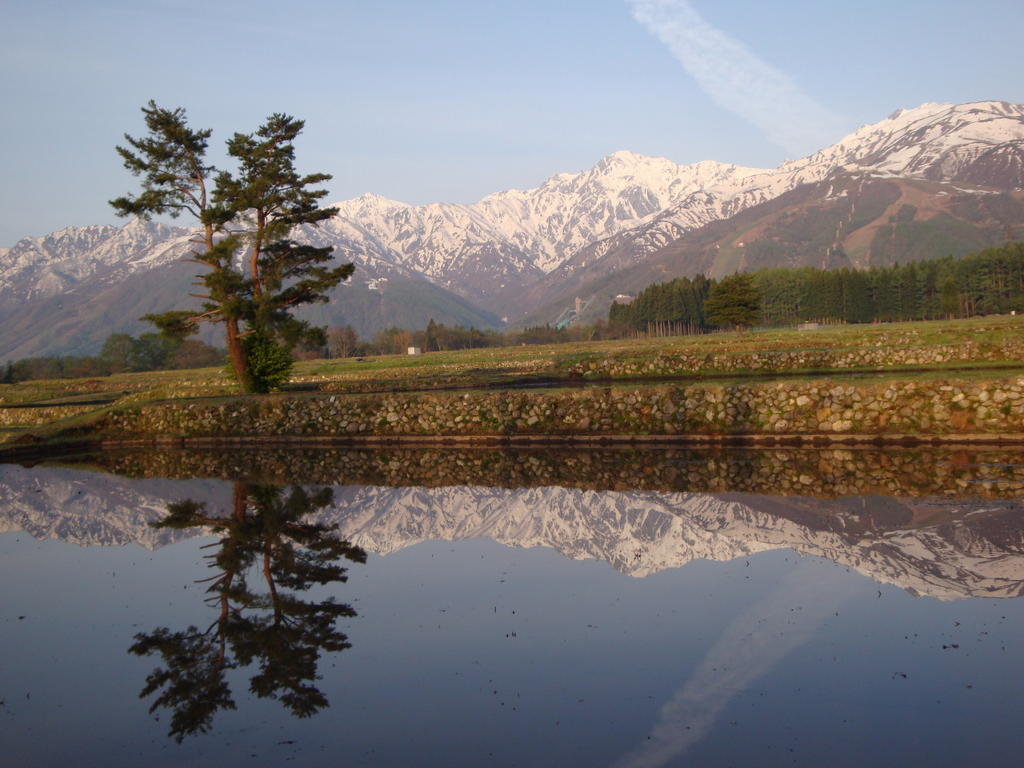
{"x": 754, "y": 642}
{"x": 471, "y": 653}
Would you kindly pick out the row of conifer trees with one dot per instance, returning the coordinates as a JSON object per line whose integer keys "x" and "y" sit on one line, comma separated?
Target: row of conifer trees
{"x": 989, "y": 282}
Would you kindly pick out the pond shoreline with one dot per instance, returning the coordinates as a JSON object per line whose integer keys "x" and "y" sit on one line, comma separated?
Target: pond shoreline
{"x": 41, "y": 451}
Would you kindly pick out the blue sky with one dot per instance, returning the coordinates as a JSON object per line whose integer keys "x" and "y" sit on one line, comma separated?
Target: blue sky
{"x": 432, "y": 100}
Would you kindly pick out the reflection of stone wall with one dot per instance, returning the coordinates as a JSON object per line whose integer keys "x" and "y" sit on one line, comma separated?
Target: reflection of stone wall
{"x": 778, "y": 408}
{"x": 792, "y": 471}
{"x": 800, "y": 360}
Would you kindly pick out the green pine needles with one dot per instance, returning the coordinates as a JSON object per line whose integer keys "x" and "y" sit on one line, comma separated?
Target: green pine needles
{"x": 257, "y": 274}
{"x": 735, "y": 301}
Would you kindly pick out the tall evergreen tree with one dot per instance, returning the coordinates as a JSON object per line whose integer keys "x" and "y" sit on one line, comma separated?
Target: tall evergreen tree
{"x": 735, "y": 300}
{"x": 268, "y": 199}
{"x": 255, "y": 211}
{"x": 171, "y": 161}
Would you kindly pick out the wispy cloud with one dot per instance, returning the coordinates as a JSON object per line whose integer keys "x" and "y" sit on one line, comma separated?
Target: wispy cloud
{"x": 736, "y": 79}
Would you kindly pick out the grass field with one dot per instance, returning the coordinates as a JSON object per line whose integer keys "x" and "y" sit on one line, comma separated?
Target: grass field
{"x": 521, "y": 365}
{"x": 525, "y": 366}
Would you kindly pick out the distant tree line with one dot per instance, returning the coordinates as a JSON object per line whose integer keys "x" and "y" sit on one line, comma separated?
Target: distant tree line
{"x": 989, "y": 282}
{"x": 671, "y": 308}
{"x": 343, "y": 341}
{"x": 121, "y": 353}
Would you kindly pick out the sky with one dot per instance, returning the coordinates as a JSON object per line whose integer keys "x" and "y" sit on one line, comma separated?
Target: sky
{"x": 450, "y": 100}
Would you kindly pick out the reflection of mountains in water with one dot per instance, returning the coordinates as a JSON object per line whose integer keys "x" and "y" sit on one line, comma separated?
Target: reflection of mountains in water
{"x": 94, "y": 509}
{"x": 976, "y": 550}
{"x": 941, "y": 548}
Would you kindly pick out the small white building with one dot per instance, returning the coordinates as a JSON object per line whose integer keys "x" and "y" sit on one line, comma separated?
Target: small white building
{"x": 415, "y": 351}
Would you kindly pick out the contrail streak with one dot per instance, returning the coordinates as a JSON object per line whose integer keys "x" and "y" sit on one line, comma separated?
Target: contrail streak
{"x": 737, "y": 80}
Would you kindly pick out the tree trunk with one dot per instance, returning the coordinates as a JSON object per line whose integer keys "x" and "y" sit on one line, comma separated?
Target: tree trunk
{"x": 236, "y": 354}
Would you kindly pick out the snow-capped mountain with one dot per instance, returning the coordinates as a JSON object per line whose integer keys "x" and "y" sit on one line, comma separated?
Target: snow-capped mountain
{"x": 508, "y": 238}
{"x": 93, "y": 509}
{"x": 978, "y": 553}
{"x": 979, "y": 144}
{"x": 67, "y": 292}
{"x": 40, "y": 267}
{"x": 511, "y": 250}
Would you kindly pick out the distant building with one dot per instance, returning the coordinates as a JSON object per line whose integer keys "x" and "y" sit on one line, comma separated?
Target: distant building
{"x": 624, "y": 298}
{"x": 415, "y": 351}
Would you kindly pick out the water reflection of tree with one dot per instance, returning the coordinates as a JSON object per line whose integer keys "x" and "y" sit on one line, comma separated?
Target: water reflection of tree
{"x": 264, "y": 538}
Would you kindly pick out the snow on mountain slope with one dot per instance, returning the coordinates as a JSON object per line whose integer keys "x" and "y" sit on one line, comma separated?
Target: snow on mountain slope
{"x": 509, "y": 237}
{"x": 93, "y": 509}
{"x": 631, "y": 206}
{"x": 626, "y": 206}
{"x": 933, "y": 141}
{"x": 39, "y": 267}
{"x": 979, "y": 143}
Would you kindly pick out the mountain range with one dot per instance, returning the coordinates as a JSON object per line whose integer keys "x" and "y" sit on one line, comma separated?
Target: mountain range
{"x": 936, "y": 180}
{"x": 977, "y": 551}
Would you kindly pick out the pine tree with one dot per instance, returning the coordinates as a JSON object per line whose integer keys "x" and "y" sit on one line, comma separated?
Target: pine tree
{"x": 252, "y": 212}
{"x": 734, "y": 301}
{"x": 269, "y": 199}
{"x": 431, "y": 340}
{"x": 175, "y": 177}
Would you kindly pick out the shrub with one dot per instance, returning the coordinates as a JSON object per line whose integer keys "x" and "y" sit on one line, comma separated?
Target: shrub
{"x": 270, "y": 364}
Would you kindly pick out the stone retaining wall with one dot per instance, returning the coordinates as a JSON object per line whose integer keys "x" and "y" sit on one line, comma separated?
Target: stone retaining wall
{"x": 778, "y": 408}
{"x": 796, "y": 360}
{"x": 31, "y": 417}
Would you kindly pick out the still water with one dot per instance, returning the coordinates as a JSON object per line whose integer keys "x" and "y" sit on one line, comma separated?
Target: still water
{"x": 513, "y": 608}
